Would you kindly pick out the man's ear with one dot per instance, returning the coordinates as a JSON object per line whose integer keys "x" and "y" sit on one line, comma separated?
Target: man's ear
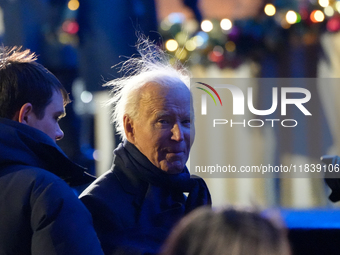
{"x": 129, "y": 128}
{"x": 25, "y": 113}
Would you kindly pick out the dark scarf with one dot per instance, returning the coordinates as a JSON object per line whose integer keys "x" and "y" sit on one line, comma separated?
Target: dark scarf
{"x": 144, "y": 170}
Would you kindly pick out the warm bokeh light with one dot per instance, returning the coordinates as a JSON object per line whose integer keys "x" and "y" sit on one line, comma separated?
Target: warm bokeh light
{"x": 309, "y": 39}
{"x": 329, "y": 11}
{"x": 291, "y": 17}
{"x": 165, "y": 25}
{"x": 226, "y": 24}
{"x": 190, "y": 45}
{"x": 285, "y": 24}
{"x": 230, "y": 46}
{"x": 206, "y": 25}
{"x": 190, "y": 26}
{"x": 171, "y": 45}
{"x": 317, "y": 16}
{"x": 181, "y": 54}
{"x": 198, "y": 40}
{"x": 64, "y": 38}
{"x": 323, "y": 3}
{"x": 337, "y": 6}
{"x": 269, "y": 10}
{"x": 73, "y": 5}
{"x": 181, "y": 37}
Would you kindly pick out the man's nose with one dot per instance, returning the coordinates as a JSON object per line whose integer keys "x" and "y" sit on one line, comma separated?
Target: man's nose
{"x": 59, "y": 134}
{"x": 177, "y": 133}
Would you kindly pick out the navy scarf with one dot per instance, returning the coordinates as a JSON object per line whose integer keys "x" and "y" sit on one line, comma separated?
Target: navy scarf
{"x": 143, "y": 169}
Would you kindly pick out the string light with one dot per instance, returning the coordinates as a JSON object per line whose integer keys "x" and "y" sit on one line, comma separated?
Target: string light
{"x": 70, "y": 27}
{"x": 191, "y": 26}
{"x": 324, "y": 3}
{"x": 269, "y": 10}
{"x": 291, "y": 17}
{"x": 206, "y": 43}
{"x": 215, "y": 58}
{"x": 304, "y": 14}
{"x": 230, "y": 46}
{"x": 73, "y": 5}
{"x": 64, "y": 38}
{"x": 181, "y": 54}
{"x": 329, "y": 11}
{"x": 226, "y": 24}
{"x": 86, "y": 97}
{"x": 190, "y": 45}
{"x": 298, "y": 19}
{"x": 201, "y": 39}
{"x": 218, "y": 50}
{"x": 181, "y": 37}
{"x": 333, "y": 25}
{"x": 198, "y": 40}
{"x": 317, "y": 16}
{"x": 285, "y": 24}
{"x": 207, "y": 25}
{"x": 337, "y": 6}
{"x": 171, "y": 45}
{"x": 165, "y": 25}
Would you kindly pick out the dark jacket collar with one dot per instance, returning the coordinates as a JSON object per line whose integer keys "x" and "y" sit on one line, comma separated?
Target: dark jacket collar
{"x": 21, "y": 144}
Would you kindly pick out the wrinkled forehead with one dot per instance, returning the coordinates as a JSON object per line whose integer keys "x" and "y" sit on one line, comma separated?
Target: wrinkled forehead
{"x": 173, "y": 93}
{"x": 158, "y": 100}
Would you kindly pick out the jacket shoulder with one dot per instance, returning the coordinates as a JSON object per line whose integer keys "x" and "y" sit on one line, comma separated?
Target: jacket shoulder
{"x": 55, "y": 215}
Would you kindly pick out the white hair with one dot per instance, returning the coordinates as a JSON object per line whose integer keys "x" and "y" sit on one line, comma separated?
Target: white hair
{"x": 153, "y": 65}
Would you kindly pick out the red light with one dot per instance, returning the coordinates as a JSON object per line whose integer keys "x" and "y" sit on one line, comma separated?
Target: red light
{"x": 70, "y": 27}
{"x": 304, "y": 13}
{"x": 333, "y": 25}
{"x": 215, "y": 58}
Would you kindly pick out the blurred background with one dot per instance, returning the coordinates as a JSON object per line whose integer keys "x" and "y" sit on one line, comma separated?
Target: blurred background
{"x": 82, "y": 42}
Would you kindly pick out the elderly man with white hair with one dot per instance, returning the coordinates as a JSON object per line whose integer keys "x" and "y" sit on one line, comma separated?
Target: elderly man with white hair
{"x": 136, "y": 203}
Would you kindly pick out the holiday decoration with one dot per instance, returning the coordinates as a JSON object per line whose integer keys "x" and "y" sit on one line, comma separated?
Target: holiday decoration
{"x": 229, "y": 42}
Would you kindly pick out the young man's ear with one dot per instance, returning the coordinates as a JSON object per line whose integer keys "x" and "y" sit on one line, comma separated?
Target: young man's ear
{"x": 129, "y": 128}
{"x": 25, "y": 113}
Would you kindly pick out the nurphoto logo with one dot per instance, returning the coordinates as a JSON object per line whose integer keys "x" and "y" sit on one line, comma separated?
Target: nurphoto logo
{"x": 238, "y": 104}
{"x": 260, "y": 127}
{"x": 204, "y": 97}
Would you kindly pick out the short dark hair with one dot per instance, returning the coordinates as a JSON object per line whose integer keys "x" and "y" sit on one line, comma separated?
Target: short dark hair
{"x": 229, "y": 231}
{"x": 23, "y": 80}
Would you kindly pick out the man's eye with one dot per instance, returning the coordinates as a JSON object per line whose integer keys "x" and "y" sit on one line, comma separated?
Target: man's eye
{"x": 163, "y": 121}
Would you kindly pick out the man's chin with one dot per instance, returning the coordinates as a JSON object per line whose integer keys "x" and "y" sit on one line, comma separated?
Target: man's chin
{"x": 174, "y": 164}
{"x": 174, "y": 168}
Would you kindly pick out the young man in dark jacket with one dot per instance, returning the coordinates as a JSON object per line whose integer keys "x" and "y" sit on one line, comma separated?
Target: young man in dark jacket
{"x": 39, "y": 212}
